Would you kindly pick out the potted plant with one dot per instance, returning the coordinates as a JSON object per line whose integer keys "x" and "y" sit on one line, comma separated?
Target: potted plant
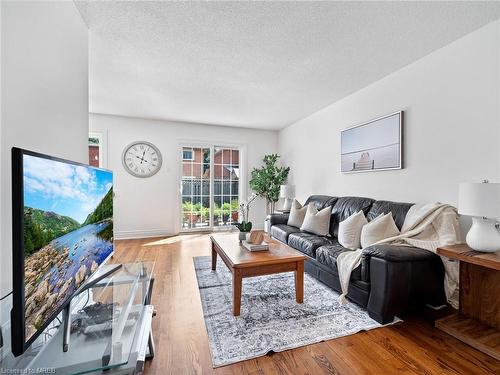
{"x": 226, "y": 210}
{"x": 245, "y": 226}
{"x": 234, "y": 210}
{"x": 217, "y": 214}
{"x": 205, "y": 215}
{"x": 266, "y": 181}
{"x": 188, "y": 208}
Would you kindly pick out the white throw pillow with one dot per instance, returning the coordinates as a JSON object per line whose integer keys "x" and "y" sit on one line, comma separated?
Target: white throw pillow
{"x": 378, "y": 229}
{"x": 350, "y": 230}
{"x": 297, "y": 214}
{"x": 317, "y": 222}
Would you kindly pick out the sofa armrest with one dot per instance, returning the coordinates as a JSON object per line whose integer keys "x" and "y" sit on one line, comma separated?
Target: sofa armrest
{"x": 398, "y": 253}
{"x": 275, "y": 219}
{"x": 402, "y": 277}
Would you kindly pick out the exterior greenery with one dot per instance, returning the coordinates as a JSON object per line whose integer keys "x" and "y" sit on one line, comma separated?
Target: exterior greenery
{"x": 266, "y": 181}
{"x": 198, "y": 209}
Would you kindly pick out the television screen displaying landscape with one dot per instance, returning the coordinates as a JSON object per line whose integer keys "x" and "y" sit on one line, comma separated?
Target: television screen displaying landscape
{"x": 68, "y": 232}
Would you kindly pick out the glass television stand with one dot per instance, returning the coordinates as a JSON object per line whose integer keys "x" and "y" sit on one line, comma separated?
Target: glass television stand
{"x": 107, "y": 326}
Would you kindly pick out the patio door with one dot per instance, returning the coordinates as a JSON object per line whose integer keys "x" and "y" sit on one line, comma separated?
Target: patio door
{"x": 210, "y": 187}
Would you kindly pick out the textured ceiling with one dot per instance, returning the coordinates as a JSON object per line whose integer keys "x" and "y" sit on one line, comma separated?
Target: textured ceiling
{"x": 257, "y": 64}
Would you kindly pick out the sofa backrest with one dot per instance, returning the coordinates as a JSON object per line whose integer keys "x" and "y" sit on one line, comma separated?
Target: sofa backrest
{"x": 398, "y": 209}
{"x": 345, "y": 207}
{"x": 321, "y": 201}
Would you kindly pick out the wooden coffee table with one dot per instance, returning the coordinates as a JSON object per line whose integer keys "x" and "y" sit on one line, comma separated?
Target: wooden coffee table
{"x": 243, "y": 263}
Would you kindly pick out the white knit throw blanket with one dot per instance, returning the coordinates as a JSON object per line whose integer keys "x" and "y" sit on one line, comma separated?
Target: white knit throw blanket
{"x": 427, "y": 226}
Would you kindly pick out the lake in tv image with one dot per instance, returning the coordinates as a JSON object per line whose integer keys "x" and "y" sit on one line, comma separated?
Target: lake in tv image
{"x": 68, "y": 232}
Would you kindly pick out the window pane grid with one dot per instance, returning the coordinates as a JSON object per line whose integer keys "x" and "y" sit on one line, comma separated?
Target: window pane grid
{"x": 226, "y": 186}
{"x": 195, "y": 190}
{"x": 209, "y": 194}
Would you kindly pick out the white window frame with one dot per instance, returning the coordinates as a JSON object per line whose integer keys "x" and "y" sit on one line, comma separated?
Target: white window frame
{"x": 242, "y": 182}
{"x": 192, "y": 154}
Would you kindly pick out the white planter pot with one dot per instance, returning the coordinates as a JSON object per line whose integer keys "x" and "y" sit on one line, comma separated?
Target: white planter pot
{"x": 243, "y": 236}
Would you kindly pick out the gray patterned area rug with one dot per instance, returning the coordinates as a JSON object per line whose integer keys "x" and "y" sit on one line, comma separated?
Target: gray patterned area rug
{"x": 270, "y": 318}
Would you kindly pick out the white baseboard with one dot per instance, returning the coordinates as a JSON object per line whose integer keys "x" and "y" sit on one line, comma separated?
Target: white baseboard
{"x": 133, "y": 234}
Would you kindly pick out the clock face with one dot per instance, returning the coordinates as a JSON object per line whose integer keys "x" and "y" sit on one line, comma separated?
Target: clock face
{"x": 141, "y": 159}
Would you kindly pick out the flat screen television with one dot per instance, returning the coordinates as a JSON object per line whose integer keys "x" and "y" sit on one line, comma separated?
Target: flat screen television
{"x": 62, "y": 232}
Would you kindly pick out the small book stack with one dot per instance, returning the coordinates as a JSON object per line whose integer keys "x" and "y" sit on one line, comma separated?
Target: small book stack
{"x": 255, "y": 247}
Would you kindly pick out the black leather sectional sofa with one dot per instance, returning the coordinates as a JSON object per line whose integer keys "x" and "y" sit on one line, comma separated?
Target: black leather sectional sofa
{"x": 391, "y": 279}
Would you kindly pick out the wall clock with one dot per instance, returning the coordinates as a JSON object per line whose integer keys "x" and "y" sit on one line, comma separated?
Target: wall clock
{"x": 141, "y": 159}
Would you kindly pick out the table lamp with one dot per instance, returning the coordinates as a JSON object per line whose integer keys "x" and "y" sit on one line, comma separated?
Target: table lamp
{"x": 287, "y": 192}
{"x": 482, "y": 202}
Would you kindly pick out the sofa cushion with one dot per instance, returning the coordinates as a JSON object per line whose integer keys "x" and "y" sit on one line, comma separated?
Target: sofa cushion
{"x": 345, "y": 207}
{"x": 282, "y": 231}
{"x": 327, "y": 255}
{"x": 398, "y": 210}
{"x": 307, "y": 242}
{"x": 321, "y": 201}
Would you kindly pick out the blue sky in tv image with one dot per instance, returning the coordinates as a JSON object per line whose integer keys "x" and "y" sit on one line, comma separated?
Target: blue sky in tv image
{"x": 69, "y": 190}
{"x": 68, "y": 232}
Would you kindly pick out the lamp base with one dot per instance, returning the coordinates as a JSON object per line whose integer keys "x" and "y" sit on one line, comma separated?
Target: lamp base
{"x": 483, "y": 235}
{"x": 287, "y": 205}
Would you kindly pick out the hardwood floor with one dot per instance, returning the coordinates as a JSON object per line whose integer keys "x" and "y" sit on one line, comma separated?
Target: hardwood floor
{"x": 411, "y": 347}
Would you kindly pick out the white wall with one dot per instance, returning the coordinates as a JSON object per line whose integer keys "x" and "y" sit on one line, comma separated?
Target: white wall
{"x": 3, "y": 286}
{"x": 150, "y": 206}
{"x": 451, "y": 127}
{"x": 44, "y": 70}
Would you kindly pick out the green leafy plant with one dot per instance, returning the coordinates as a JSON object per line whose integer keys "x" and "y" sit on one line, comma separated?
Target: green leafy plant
{"x": 235, "y": 206}
{"x": 244, "y": 226}
{"x": 266, "y": 181}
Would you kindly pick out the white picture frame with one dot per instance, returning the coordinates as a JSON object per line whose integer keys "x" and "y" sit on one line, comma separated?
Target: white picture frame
{"x": 375, "y": 145}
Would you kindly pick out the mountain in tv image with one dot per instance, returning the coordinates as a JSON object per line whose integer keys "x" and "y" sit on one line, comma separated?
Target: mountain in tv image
{"x": 68, "y": 233}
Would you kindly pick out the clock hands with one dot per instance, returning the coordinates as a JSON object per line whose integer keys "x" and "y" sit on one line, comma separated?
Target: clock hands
{"x": 141, "y": 159}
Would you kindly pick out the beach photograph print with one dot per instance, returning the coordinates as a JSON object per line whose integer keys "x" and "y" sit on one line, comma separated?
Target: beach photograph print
{"x": 68, "y": 232}
{"x": 375, "y": 145}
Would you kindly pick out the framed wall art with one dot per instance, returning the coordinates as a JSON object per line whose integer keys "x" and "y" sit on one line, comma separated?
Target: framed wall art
{"x": 373, "y": 146}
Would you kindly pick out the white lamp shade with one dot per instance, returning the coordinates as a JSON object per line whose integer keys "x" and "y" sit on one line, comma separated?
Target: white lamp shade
{"x": 479, "y": 199}
{"x": 287, "y": 191}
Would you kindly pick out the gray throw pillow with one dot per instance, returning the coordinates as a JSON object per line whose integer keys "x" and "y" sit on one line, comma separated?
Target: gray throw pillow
{"x": 297, "y": 214}
{"x": 317, "y": 222}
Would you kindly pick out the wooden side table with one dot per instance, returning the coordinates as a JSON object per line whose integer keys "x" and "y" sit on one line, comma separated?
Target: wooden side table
{"x": 477, "y": 322}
